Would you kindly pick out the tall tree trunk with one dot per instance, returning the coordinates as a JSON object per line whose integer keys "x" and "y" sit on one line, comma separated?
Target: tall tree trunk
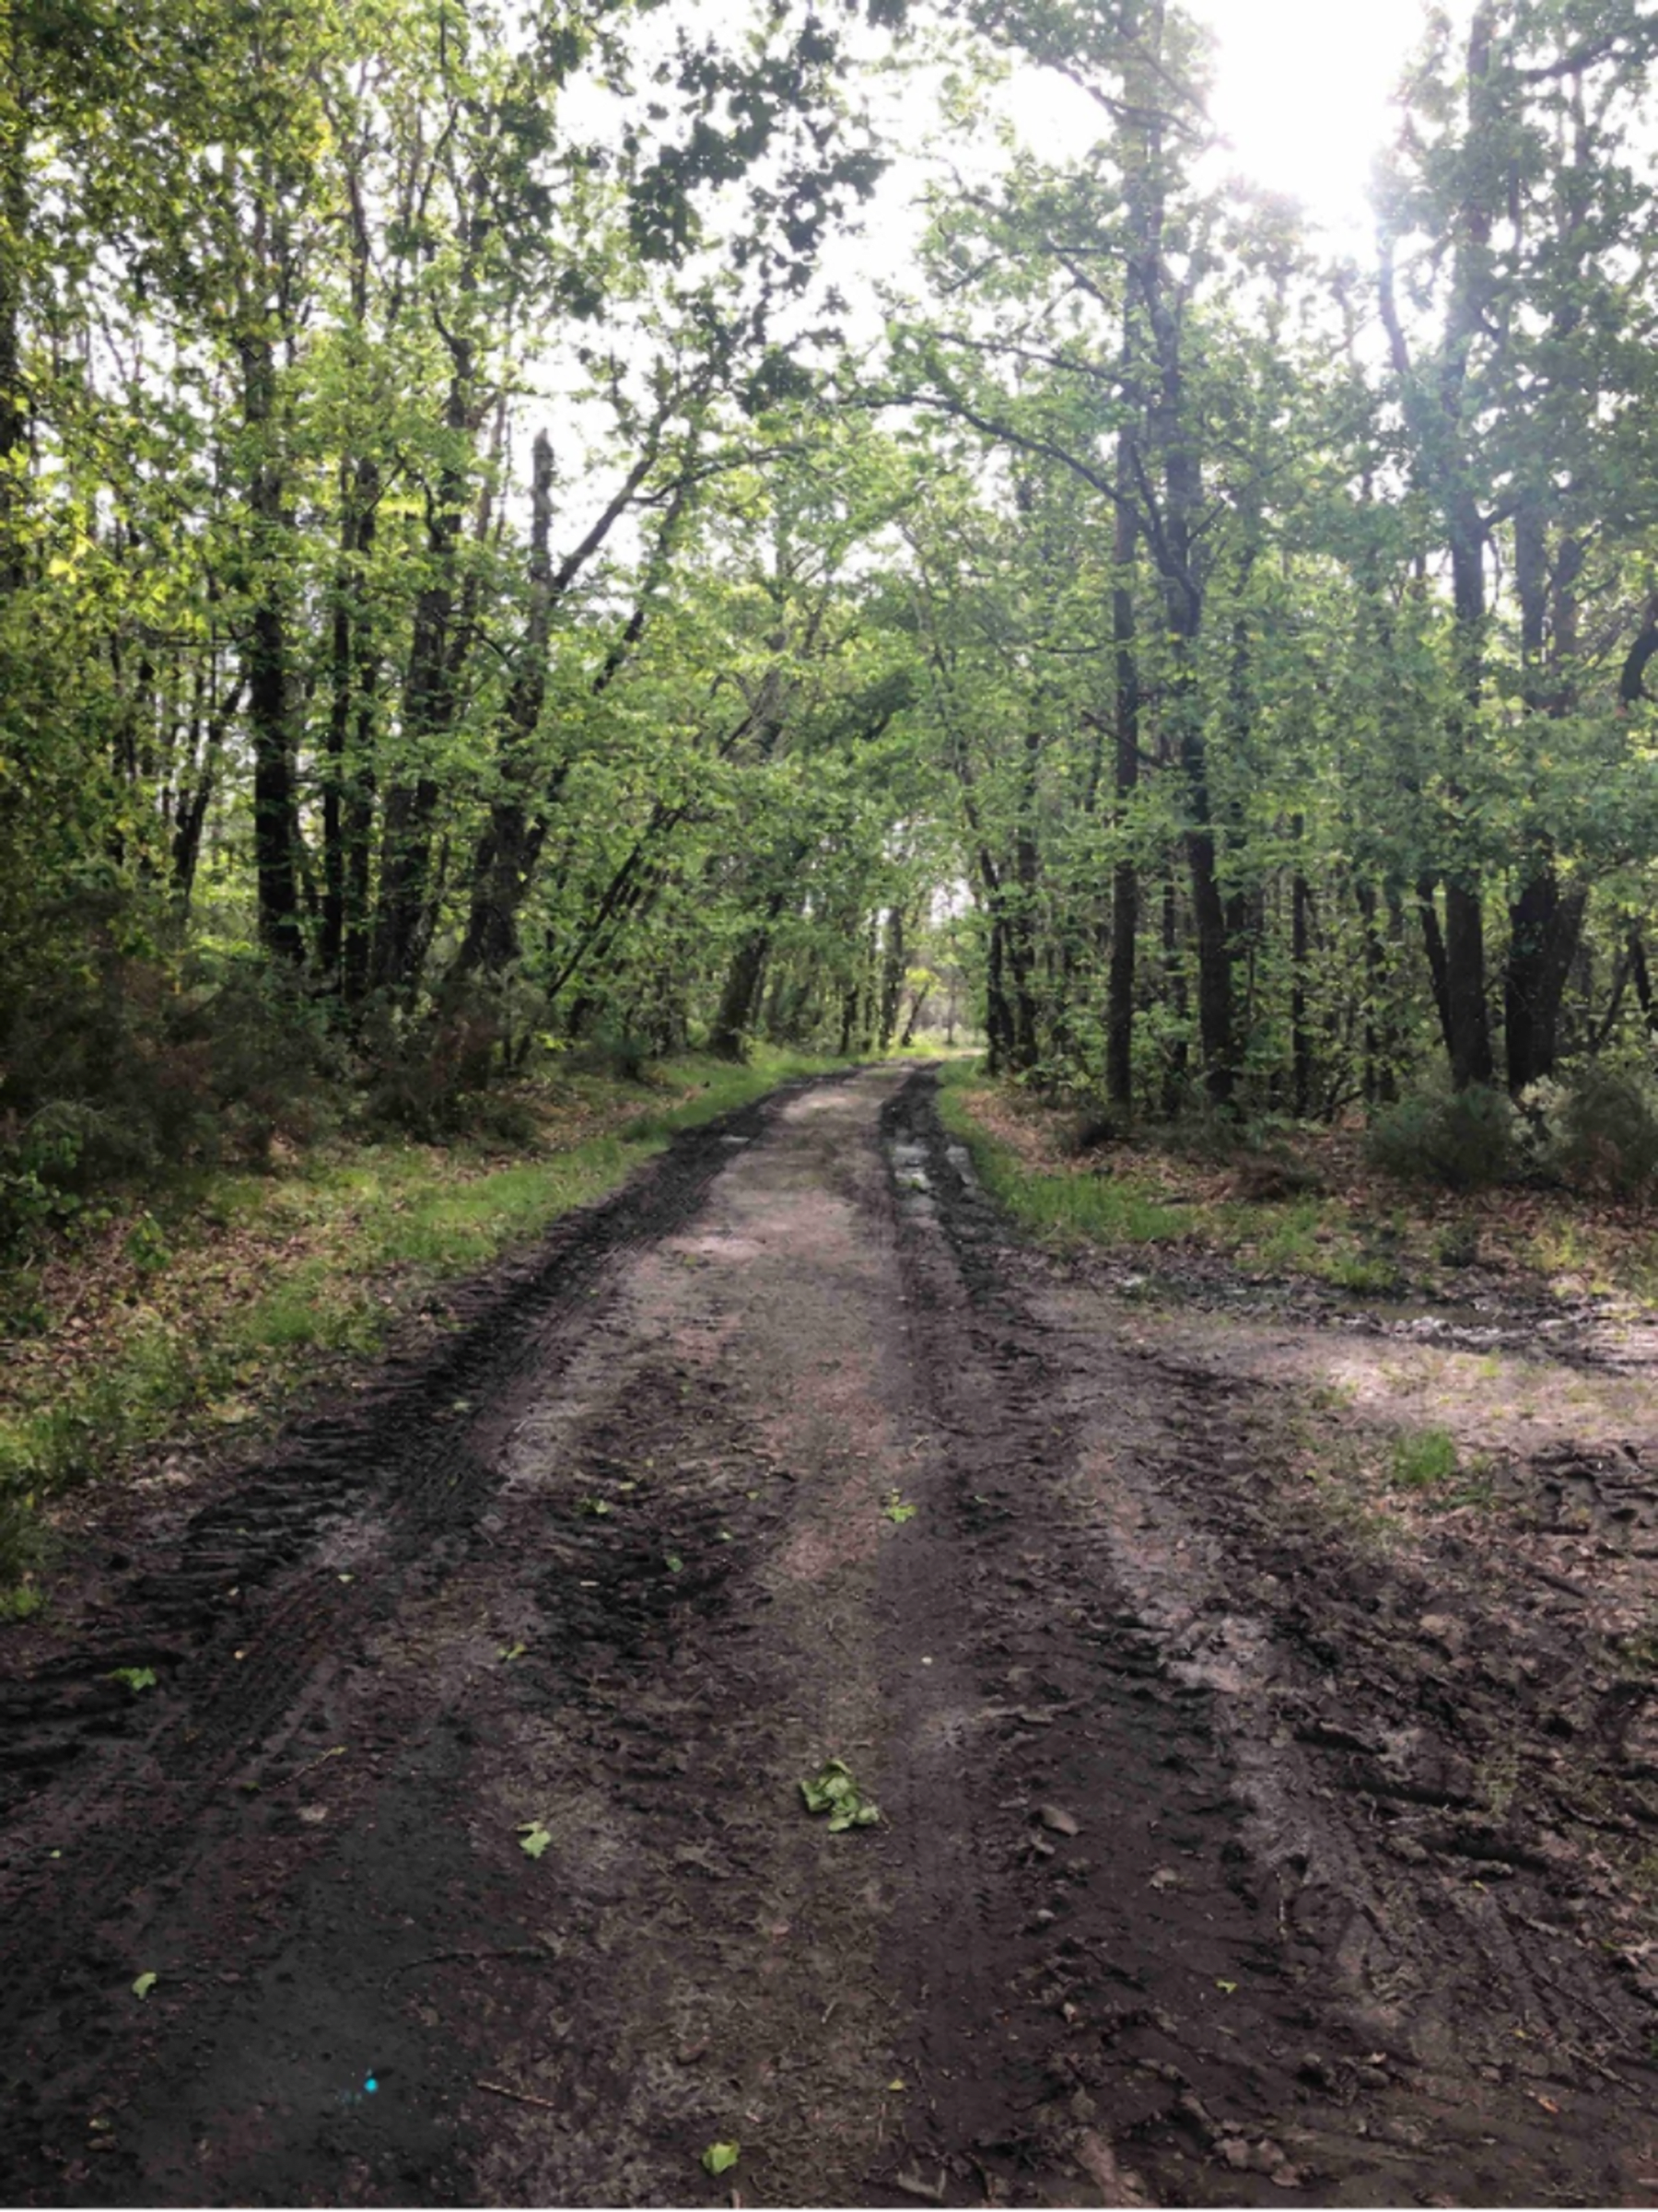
{"x": 733, "y": 1024}
{"x": 500, "y": 871}
{"x": 892, "y": 976}
{"x": 347, "y": 801}
{"x": 998, "y": 1015}
{"x": 265, "y": 656}
{"x": 13, "y": 230}
{"x": 730, "y": 1037}
{"x": 1470, "y": 1027}
{"x": 1546, "y": 921}
{"x": 1301, "y": 945}
{"x": 1545, "y": 926}
{"x": 1125, "y": 880}
{"x": 430, "y": 699}
{"x": 1174, "y": 992}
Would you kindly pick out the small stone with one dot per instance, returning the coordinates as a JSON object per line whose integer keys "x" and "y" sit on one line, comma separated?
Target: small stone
{"x": 1288, "y": 2177}
{"x": 1057, "y": 1820}
{"x": 1235, "y": 2152}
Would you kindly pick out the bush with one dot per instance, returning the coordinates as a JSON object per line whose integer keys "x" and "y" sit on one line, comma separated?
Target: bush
{"x": 121, "y": 1063}
{"x": 1461, "y": 1138}
{"x": 1599, "y": 1129}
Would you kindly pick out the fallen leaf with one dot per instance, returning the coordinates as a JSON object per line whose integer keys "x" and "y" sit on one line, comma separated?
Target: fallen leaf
{"x": 533, "y": 1838}
{"x": 144, "y": 1984}
{"x": 832, "y": 1790}
{"x": 1227, "y": 1989}
{"x": 720, "y": 2158}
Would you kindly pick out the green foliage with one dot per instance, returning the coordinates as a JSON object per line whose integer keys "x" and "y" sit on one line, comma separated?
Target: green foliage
{"x": 833, "y": 1790}
{"x": 1461, "y": 1138}
{"x": 1108, "y": 1210}
{"x": 1425, "y": 1459}
{"x": 1599, "y": 1129}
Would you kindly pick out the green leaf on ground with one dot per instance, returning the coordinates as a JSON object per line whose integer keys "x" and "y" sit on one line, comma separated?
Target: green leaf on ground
{"x": 512, "y": 1651}
{"x": 532, "y": 1838}
{"x": 832, "y": 1790}
{"x": 144, "y": 1984}
{"x": 720, "y": 2158}
{"x": 673, "y": 1562}
{"x": 896, "y": 1511}
{"x": 136, "y": 1678}
{"x": 597, "y": 1507}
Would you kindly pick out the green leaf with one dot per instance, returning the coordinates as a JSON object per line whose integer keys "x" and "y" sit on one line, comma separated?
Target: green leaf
{"x": 832, "y": 1790}
{"x": 720, "y": 2158}
{"x": 674, "y": 1564}
{"x": 144, "y": 1984}
{"x": 136, "y": 1678}
{"x": 532, "y": 1838}
{"x": 512, "y": 1651}
{"x": 896, "y": 1511}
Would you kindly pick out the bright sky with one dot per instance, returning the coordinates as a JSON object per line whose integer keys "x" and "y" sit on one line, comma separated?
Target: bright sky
{"x": 1303, "y": 90}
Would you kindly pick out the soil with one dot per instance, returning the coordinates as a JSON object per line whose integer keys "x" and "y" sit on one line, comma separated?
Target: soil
{"x": 1245, "y": 1838}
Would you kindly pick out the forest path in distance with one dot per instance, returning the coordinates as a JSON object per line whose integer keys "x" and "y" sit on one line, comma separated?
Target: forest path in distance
{"x": 1220, "y": 1859}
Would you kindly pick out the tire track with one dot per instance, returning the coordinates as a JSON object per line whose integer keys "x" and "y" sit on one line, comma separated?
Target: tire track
{"x": 402, "y": 1474}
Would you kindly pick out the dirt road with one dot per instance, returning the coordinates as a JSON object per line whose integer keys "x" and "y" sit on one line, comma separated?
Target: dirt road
{"x": 1220, "y": 1859}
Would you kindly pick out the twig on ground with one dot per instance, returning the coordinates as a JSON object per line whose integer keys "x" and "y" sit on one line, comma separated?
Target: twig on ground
{"x": 336, "y": 1751}
{"x": 498, "y": 2088}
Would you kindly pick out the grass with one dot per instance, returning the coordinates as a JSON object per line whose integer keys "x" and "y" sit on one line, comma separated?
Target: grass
{"x": 1110, "y": 1210}
{"x": 1424, "y": 1457}
{"x": 1353, "y": 1229}
{"x": 219, "y": 1301}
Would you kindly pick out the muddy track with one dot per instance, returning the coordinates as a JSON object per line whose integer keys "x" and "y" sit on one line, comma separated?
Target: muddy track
{"x": 1221, "y": 1860}
{"x": 232, "y": 1616}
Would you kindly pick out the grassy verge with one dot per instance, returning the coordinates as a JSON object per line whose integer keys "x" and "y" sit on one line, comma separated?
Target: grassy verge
{"x": 1052, "y": 1201}
{"x": 1326, "y": 1217}
{"x": 210, "y": 1307}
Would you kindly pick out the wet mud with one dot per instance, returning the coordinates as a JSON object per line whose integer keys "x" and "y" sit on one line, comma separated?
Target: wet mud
{"x": 1225, "y": 1856}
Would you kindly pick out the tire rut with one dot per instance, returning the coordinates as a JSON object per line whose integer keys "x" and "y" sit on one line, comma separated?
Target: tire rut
{"x": 236, "y": 1625}
{"x": 1302, "y": 1904}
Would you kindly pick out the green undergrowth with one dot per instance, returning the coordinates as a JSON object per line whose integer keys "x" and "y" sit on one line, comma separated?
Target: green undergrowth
{"x": 213, "y": 1305}
{"x": 1323, "y": 1214}
{"x": 1113, "y": 1210}
{"x": 1306, "y": 1235}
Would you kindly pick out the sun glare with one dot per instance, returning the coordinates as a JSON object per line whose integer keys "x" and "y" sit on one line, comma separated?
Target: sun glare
{"x": 1305, "y": 89}
{"x": 1304, "y": 93}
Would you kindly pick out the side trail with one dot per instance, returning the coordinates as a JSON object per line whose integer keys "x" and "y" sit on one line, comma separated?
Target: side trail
{"x": 464, "y": 1837}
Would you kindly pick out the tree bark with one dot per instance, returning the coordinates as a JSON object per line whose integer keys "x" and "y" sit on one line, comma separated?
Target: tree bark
{"x": 269, "y": 682}
{"x": 1125, "y": 880}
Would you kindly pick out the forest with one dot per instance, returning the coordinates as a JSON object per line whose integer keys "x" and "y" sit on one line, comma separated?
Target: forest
{"x": 828, "y": 1107}
{"x": 473, "y": 581}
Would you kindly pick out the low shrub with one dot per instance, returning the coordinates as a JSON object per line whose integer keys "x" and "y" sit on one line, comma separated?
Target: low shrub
{"x": 1598, "y": 1129}
{"x": 1461, "y": 1138}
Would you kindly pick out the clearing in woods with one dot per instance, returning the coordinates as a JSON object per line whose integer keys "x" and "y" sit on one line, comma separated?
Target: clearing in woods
{"x": 1232, "y": 1850}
